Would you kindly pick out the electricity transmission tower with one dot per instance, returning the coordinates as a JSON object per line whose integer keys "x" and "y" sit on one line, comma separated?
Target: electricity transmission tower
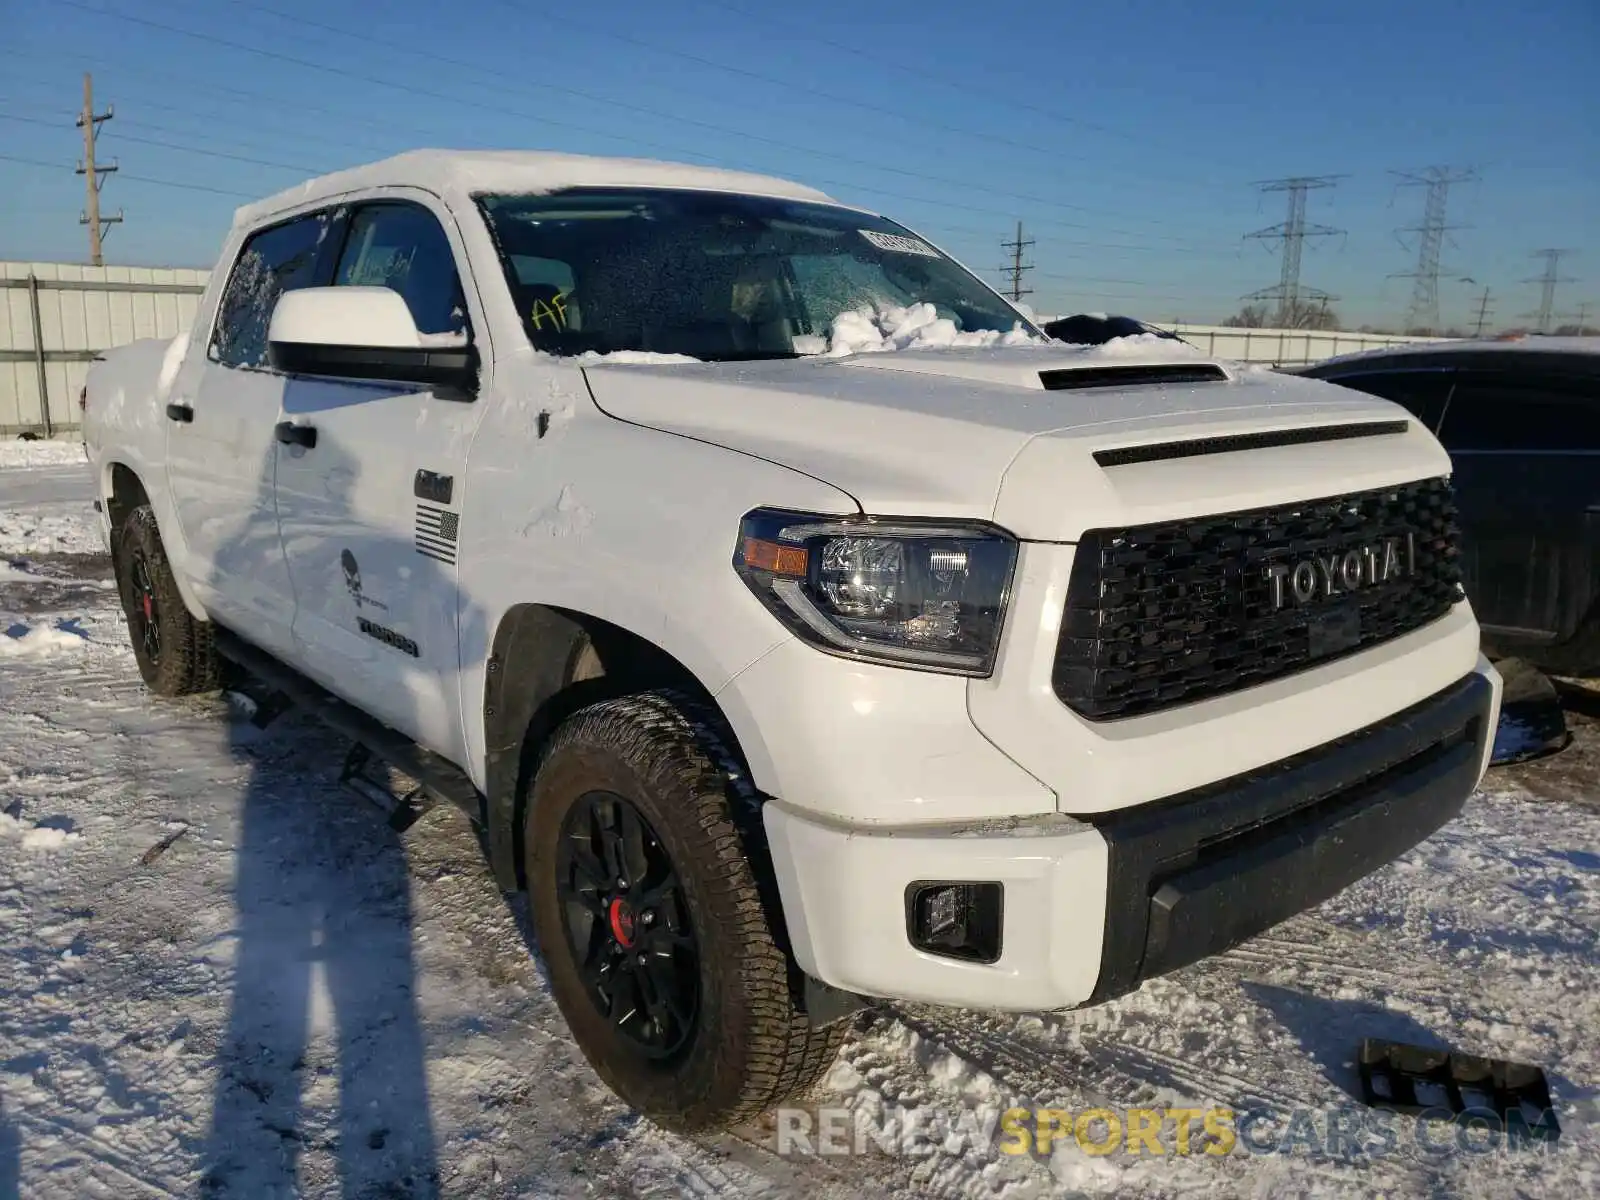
{"x": 1424, "y": 312}
{"x": 1483, "y": 313}
{"x": 1295, "y": 302}
{"x": 93, "y": 176}
{"x": 1547, "y": 284}
{"x": 1018, "y": 267}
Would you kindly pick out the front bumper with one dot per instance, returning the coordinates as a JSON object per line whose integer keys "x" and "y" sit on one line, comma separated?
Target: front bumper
{"x": 1094, "y": 906}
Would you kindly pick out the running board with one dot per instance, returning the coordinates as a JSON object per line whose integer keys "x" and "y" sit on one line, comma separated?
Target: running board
{"x": 441, "y": 779}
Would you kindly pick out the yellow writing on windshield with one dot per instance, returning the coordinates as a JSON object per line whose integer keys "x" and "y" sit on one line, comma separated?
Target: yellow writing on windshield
{"x": 553, "y": 310}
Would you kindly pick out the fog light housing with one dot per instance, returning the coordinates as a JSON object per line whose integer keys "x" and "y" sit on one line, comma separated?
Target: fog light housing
{"x": 955, "y": 920}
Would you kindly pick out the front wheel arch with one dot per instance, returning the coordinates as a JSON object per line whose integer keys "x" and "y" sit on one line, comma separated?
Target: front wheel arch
{"x": 545, "y": 664}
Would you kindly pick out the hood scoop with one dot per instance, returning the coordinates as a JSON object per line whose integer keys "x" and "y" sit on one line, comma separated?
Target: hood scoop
{"x": 1131, "y": 375}
{"x": 1126, "y": 456}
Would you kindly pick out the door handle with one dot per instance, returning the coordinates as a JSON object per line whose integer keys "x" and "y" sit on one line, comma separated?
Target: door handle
{"x": 181, "y": 413}
{"x": 291, "y": 434}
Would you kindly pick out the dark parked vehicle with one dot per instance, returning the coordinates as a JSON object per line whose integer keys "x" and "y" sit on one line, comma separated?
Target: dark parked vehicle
{"x": 1521, "y": 420}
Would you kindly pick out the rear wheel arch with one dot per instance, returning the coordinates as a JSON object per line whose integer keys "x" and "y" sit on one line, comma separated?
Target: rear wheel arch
{"x": 545, "y": 664}
{"x": 124, "y": 492}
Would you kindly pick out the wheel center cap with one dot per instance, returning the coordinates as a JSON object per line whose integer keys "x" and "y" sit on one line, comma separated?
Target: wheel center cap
{"x": 621, "y": 918}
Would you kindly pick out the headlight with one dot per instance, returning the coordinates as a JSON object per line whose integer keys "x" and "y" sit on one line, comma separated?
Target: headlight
{"x": 927, "y": 594}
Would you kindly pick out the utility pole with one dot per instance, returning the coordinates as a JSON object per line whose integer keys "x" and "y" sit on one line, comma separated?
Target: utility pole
{"x": 1018, "y": 267}
{"x": 1424, "y": 313}
{"x": 1483, "y": 313}
{"x": 1292, "y": 298}
{"x": 1547, "y": 287}
{"x": 90, "y": 121}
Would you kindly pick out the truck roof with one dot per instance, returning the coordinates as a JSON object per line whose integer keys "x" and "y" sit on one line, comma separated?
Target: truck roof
{"x": 456, "y": 175}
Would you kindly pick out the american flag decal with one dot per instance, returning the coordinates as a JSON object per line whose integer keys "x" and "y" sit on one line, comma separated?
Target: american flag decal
{"x": 437, "y": 530}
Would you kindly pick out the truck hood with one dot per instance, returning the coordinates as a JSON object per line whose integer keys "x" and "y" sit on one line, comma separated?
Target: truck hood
{"x": 1021, "y": 435}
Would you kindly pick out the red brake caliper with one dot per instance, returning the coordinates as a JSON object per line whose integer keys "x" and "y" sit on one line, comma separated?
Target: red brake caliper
{"x": 621, "y": 918}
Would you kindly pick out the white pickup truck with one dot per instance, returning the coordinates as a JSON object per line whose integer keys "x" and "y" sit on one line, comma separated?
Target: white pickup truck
{"x": 796, "y": 621}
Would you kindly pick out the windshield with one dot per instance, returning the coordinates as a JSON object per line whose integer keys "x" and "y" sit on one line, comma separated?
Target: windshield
{"x": 721, "y": 277}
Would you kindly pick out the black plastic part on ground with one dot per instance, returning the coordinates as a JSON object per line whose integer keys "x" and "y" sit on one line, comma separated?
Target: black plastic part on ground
{"x": 1422, "y": 1079}
{"x": 1533, "y": 722}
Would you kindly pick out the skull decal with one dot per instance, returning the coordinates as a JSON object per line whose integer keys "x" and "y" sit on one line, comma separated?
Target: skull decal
{"x": 352, "y": 575}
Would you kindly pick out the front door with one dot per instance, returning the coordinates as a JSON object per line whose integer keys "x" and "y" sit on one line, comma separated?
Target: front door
{"x": 221, "y": 452}
{"x": 370, "y": 513}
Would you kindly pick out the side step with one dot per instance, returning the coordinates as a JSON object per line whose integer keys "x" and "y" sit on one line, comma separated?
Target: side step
{"x": 441, "y": 779}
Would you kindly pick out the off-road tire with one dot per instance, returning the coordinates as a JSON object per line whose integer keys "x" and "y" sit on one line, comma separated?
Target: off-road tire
{"x": 187, "y": 659}
{"x": 752, "y": 1047}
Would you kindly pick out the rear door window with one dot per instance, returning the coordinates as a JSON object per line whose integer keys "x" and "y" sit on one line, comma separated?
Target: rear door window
{"x": 1522, "y": 413}
{"x": 273, "y": 261}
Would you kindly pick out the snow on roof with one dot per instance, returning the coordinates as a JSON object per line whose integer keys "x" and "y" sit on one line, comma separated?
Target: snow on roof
{"x": 457, "y": 175}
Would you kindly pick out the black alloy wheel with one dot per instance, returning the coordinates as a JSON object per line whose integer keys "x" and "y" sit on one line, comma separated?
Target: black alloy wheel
{"x": 145, "y": 608}
{"x": 176, "y": 653}
{"x": 650, "y": 889}
{"x": 627, "y": 924}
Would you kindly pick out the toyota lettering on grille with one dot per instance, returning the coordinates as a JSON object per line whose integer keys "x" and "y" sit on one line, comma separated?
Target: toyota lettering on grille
{"x": 1325, "y": 575}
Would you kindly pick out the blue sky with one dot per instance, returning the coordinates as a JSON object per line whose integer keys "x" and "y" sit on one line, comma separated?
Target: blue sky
{"x": 1126, "y": 137}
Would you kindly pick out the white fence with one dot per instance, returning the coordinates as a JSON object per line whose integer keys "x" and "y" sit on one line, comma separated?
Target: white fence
{"x": 54, "y": 318}
{"x": 1282, "y": 347}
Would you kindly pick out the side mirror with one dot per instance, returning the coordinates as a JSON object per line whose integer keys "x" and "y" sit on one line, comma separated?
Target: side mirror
{"x": 365, "y": 333}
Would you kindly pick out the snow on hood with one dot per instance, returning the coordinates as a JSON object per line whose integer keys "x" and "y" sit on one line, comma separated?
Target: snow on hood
{"x": 914, "y": 327}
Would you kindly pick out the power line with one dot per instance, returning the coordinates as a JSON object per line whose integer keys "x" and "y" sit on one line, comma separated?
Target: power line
{"x": 1547, "y": 286}
{"x": 965, "y": 86}
{"x": 254, "y": 99}
{"x": 1291, "y": 296}
{"x": 237, "y": 96}
{"x": 137, "y": 103}
{"x": 124, "y": 177}
{"x": 94, "y": 176}
{"x": 989, "y": 137}
{"x": 1424, "y": 311}
{"x": 1018, "y": 268}
{"x": 368, "y": 38}
{"x": 206, "y": 151}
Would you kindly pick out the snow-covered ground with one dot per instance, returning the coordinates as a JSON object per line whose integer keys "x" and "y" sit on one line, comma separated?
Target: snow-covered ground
{"x": 221, "y": 975}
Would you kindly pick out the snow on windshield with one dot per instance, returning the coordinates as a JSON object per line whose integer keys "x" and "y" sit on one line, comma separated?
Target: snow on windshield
{"x": 912, "y": 327}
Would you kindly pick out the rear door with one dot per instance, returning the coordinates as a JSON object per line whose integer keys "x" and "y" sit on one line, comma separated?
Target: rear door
{"x": 1526, "y": 448}
{"x": 370, "y": 513}
{"x": 221, "y": 453}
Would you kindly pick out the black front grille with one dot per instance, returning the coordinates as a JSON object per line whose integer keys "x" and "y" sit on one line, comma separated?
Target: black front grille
{"x": 1185, "y": 610}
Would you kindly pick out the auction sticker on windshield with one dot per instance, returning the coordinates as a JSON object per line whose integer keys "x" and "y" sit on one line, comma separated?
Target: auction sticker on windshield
{"x": 899, "y": 244}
